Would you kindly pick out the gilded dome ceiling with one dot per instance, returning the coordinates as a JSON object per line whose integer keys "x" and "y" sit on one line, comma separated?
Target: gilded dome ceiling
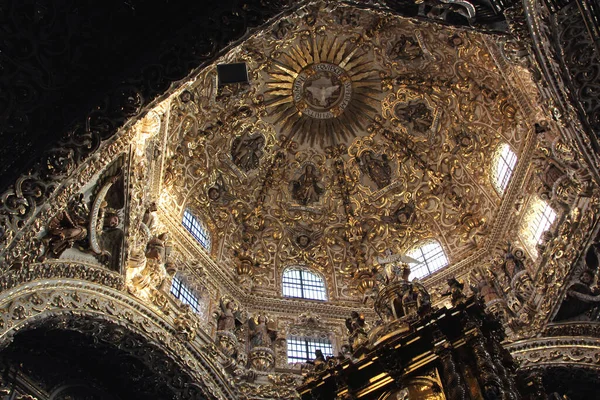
{"x": 359, "y": 131}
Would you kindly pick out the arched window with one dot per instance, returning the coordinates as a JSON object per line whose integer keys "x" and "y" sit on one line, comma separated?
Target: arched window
{"x": 504, "y": 165}
{"x": 302, "y": 283}
{"x": 542, "y": 218}
{"x": 431, "y": 258}
{"x": 196, "y": 228}
{"x": 186, "y": 295}
{"x": 302, "y": 349}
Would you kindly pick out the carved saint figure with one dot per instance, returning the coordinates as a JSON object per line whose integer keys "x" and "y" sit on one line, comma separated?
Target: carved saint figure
{"x": 319, "y": 361}
{"x": 378, "y": 169}
{"x": 157, "y": 248}
{"x": 226, "y": 320}
{"x": 260, "y": 333}
{"x": 484, "y": 287}
{"x": 582, "y": 302}
{"x": 307, "y": 189}
{"x": 415, "y": 116}
{"x": 405, "y": 48}
{"x": 512, "y": 264}
{"x": 455, "y": 291}
{"x": 357, "y": 328}
{"x": 247, "y": 150}
{"x": 68, "y": 226}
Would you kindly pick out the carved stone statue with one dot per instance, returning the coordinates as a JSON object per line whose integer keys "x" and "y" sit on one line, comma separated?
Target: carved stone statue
{"x": 357, "y": 328}
{"x": 378, "y": 170}
{"x": 582, "y": 302}
{"x": 247, "y": 150}
{"x": 307, "y": 189}
{"x": 68, "y": 226}
{"x": 455, "y": 291}
{"x": 319, "y": 362}
{"x": 260, "y": 333}
{"x": 484, "y": 287}
{"x": 228, "y": 318}
{"x": 148, "y": 218}
{"x": 157, "y": 248}
{"x": 512, "y": 262}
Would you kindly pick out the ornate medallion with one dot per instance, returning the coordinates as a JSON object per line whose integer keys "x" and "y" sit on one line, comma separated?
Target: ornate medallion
{"x": 322, "y": 91}
{"x": 323, "y": 87}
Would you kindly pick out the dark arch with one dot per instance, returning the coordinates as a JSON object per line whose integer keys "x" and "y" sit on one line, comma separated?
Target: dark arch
{"x": 65, "y": 355}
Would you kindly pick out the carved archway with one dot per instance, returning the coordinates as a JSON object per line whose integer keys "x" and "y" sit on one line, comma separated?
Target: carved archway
{"x": 112, "y": 319}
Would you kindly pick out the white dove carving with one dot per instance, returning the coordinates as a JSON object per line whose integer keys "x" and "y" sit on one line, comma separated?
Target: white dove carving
{"x": 321, "y": 89}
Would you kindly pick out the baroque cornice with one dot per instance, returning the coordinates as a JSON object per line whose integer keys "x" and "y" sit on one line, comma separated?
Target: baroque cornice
{"x": 557, "y": 351}
{"x": 502, "y": 223}
{"x": 64, "y": 270}
{"x": 226, "y": 283}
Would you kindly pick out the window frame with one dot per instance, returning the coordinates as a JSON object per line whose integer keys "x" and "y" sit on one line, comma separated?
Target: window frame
{"x": 544, "y": 218}
{"x": 196, "y": 227}
{"x": 310, "y": 345}
{"x": 182, "y": 292}
{"x": 427, "y": 260}
{"x": 302, "y": 284}
{"x": 504, "y": 167}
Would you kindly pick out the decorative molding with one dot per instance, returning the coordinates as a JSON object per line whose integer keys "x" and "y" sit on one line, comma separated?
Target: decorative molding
{"x": 30, "y": 304}
{"x": 556, "y": 351}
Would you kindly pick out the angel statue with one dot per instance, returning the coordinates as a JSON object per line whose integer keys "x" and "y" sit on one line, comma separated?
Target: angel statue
{"x": 229, "y": 316}
{"x": 261, "y": 335}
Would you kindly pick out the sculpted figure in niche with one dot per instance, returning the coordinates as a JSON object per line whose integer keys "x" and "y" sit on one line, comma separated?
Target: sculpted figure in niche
{"x": 148, "y": 218}
{"x": 405, "y": 48}
{"x": 455, "y": 291}
{"x": 512, "y": 263}
{"x": 260, "y": 333}
{"x": 378, "y": 169}
{"x": 247, "y": 150}
{"x": 68, "y": 226}
{"x": 157, "y": 248}
{"x": 357, "y": 328}
{"x": 307, "y": 189}
{"x": 319, "y": 361}
{"x": 229, "y": 315}
{"x": 582, "y": 302}
{"x": 111, "y": 240}
{"x": 415, "y": 116}
{"x": 484, "y": 286}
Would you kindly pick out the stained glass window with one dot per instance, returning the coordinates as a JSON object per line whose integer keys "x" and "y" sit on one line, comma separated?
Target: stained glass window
{"x": 196, "y": 228}
{"x": 302, "y": 283}
{"x": 302, "y": 349}
{"x": 431, "y": 258}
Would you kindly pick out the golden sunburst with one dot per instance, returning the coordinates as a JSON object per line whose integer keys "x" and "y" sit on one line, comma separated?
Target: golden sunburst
{"x": 323, "y": 88}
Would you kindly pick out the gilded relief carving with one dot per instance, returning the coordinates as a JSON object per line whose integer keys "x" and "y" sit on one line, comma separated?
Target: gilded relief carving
{"x": 352, "y": 139}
